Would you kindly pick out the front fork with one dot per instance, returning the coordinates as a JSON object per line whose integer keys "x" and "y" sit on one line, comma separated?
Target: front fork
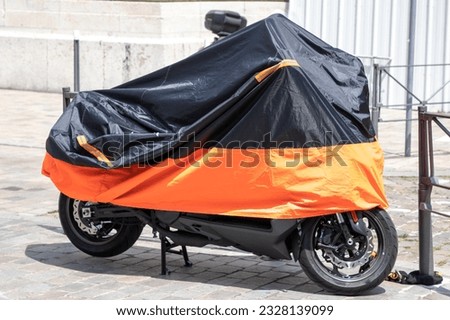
{"x": 356, "y": 224}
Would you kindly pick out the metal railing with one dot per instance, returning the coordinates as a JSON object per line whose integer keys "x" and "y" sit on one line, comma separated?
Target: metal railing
{"x": 412, "y": 99}
{"x": 427, "y": 180}
{"x": 427, "y": 175}
{"x": 67, "y": 96}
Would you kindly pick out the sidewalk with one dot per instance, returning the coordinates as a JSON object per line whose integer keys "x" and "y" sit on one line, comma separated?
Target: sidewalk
{"x": 37, "y": 261}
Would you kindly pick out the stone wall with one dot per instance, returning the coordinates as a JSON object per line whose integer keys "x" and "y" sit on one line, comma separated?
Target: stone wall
{"x": 119, "y": 40}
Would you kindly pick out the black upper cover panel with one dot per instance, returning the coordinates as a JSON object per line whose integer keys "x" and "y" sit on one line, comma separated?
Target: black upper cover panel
{"x": 212, "y": 99}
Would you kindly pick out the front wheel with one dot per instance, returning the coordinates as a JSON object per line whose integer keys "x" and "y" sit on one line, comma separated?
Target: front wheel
{"x": 96, "y": 237}
{"x": 349, "y": 253}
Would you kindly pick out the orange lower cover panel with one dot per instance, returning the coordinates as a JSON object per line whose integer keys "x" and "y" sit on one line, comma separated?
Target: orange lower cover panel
{"x": 264, "y": 183}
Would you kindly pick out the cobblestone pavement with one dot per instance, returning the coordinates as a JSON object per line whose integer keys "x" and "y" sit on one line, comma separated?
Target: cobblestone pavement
{"x": 38, "y": 262}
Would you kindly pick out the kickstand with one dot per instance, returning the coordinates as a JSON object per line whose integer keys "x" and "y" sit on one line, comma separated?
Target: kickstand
{"x": 167, "y": 246}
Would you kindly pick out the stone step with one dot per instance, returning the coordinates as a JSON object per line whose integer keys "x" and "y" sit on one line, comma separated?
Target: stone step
{"x": 155, "y": 19}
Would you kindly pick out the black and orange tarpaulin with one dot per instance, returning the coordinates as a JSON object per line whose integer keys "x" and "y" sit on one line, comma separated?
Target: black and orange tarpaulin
{"x": 268, "y": 122}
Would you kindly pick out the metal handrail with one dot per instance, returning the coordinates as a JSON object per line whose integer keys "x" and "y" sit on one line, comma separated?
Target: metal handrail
{"x": 376, "y": 95}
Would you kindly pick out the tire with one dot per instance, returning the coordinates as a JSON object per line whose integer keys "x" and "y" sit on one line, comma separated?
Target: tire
{"x": 111, "y": 238}
{"x": 343, "y": 269}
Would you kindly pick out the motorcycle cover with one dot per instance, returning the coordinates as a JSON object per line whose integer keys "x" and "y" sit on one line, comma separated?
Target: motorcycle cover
{"x": 268, "y": 122}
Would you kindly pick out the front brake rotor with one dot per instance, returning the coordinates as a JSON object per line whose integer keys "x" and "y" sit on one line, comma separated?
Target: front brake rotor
{"x": 359, "y": 253}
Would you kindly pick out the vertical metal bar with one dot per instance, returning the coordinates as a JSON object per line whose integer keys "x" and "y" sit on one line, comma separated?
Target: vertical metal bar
{"x": 426, "y": 263}
{"x": 444, "y": 52}
{"x": 338, "y": 23}
{"x": 373, "y": 28}
{"x": 388, "y": 80}
{"x": 355, "y": 34}
{"x": 66, "y": 97}
{"x": 380, "y": 79}
{"x": 425, "y": 59}
{"x": 76, "y": 61}
{"x": 410, "y": 75}
{"x": 430, "y": 148}
{"x": 305, "y": 13}
{"x": 321, "y": 18}
{"x": 375, "y": 110}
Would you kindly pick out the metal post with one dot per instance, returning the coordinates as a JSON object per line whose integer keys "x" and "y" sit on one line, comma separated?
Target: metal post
{"x": 426, "y": 263}
{"x": 410, "y": 75}
{"x": 375, "y": 110}
{"x": 66, "y": 97}
{"x": 76, "y": 61}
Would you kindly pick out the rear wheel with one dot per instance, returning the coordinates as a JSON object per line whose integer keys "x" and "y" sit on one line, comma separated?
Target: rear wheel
{"x": 349, "y": 263}
{"x": 99, "y": 238}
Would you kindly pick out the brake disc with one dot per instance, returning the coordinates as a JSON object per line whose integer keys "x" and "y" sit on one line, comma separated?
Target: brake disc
{"x": 330, "y": 254}
{"x": 88, "y": 228}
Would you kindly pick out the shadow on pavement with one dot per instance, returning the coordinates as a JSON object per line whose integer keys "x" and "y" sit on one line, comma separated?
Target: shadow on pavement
{"x": 244, "y": 271}
{"x": 440, "y": 290}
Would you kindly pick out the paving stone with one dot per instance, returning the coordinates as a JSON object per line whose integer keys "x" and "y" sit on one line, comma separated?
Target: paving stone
{"x": 51, "y": 295}
{"x": 221, "y": 294}
{"x": 308, "y": 287}
{"x": 278, "y": 286}
{"x": 227, "y": 268}
{"x": 256, "y": 281}
{"x": 272, "y": 263}
{"x": 255, "y": 295}
{"x": 295, "y": 280}
{"x": 225, "y": 281}
{"x": 242, "y": 274}
{"x": 243, "y": 263}
{"x": 212, "y": 263}
{"x": 200, "y": 257}
{"x": 273, "y": 274}
{"x": 259, "y": 268}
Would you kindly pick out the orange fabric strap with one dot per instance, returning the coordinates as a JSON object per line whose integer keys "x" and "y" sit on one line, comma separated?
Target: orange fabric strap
{"x": 92, "y": 150}
{"x": 260, "y": 76}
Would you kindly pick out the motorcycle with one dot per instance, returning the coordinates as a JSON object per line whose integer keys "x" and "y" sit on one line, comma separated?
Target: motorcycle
{"x": 346, "y": 252}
